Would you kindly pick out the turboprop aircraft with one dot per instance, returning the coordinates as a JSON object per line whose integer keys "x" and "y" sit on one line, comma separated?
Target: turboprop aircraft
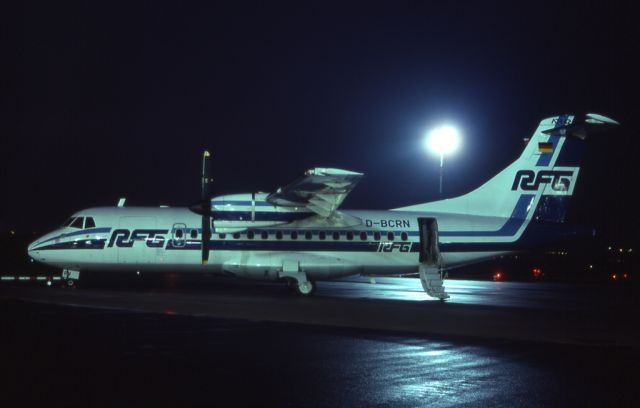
{"x": 299, "y": 233}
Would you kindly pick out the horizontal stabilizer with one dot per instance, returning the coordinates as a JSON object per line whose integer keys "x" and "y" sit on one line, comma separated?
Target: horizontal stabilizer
{"x": 582, "y": 126}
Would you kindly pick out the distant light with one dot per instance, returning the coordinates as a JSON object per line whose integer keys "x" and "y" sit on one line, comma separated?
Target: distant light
{"x": 626, "y": 275}
{"x": 630, "y": 250}
{"x": 13, "y": 232}
{"x": 609, "y": 248}
{"x": 614, "y": 276}
{"x": 443, "y": 140}
{"x": 590, "y": 266}
{"x": 621, "y": 250}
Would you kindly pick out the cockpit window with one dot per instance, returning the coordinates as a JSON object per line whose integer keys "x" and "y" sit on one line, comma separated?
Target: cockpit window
{"x": 68, "y": 222}
{"x": 89, "y": 222}
{"x": 77, "y": 223}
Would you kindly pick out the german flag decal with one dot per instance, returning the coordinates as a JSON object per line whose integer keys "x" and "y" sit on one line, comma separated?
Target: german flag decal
{"x": 545, "y": 147}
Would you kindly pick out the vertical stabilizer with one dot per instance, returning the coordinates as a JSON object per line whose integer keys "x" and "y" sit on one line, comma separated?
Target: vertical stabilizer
{"x": 539, "y": 183}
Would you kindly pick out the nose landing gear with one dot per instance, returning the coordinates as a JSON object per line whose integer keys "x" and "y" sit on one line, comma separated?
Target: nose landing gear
{"x": 70, "y": 278}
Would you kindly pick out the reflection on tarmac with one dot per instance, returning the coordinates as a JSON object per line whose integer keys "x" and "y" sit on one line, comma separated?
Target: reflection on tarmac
{"x": 70, "y": 356}
{"x": 529, "y": 295}
{"x": 532, "y": 312}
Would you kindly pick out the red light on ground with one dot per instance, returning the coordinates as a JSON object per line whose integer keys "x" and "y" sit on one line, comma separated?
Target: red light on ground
{"x": 537, "y": 272}
{"x": 614, "y": 276}
{"x": 625, "y": 276}
{"x": 497, "y": 276}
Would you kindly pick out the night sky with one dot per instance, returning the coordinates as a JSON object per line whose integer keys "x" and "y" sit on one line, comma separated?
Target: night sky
{"x": 108, "y": 101}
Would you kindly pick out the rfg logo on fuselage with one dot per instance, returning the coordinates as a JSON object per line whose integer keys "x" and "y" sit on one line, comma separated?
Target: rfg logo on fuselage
{"x": 123, "y": 238}
{"x": 561, "y": 181}
{"x": 394, "y": 247}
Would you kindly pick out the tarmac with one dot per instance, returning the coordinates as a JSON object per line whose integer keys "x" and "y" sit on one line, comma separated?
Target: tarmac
{"x": 522, "y": 311}
{"x": 186, "y": 341}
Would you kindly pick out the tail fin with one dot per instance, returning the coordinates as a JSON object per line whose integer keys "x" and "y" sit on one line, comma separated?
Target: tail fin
{"x": 542, "y": 178}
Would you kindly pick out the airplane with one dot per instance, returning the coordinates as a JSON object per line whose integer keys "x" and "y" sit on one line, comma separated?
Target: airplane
{"x": 300, "y": 235}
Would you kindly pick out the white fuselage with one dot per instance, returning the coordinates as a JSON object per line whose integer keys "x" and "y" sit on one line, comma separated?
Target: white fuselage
{"x": 170, "y": 239}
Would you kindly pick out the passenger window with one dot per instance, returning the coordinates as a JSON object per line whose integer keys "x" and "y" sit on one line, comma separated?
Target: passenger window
{"x": 294, "y": 234}
{"x": 278, "y": 234}
{"x": 264, "y": 235}
{"x": 179, "y": 233}
{"x": 363, "y": 236}
{"x": 376, "y": 236}
{"x": 404, "y": 236}
{"x": 194, "y": 233}
{"x": 390, "y": 236}
{"x": 322, "y": 235}
{"x": 350, "y": 235}
{"x": 336, "y": 235}
{"x": 77, "y": 223}
{"x": 308, "y": 235}
{"x": 89, "y": 223}
{"x": 250, "y": 235}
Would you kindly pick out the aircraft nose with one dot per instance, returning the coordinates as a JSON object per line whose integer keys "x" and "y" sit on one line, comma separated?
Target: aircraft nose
{"x": 31, "y": 247}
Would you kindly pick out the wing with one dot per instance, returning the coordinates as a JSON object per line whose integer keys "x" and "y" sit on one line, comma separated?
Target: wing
{"x": 320, "y": 190}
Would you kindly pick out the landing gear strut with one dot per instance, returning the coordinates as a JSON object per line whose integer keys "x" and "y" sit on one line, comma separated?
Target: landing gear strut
{"x": 296, "y": 279}
{"x": 70, "y": 278}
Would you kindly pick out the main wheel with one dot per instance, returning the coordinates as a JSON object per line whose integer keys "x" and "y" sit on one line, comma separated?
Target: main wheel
{"x": 305, "y": 288}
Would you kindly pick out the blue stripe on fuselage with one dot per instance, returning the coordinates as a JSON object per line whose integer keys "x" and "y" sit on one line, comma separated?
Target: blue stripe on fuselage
{"x": 79, "y": 244}
{"x": 242, "y": 203}
{"x": 80, "y": 232}
{"x": 259, "y": 216}
{"x": 510, "y": 228}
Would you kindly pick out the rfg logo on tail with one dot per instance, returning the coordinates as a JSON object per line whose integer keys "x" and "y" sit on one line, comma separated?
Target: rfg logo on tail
{"x": 561, "y": 180}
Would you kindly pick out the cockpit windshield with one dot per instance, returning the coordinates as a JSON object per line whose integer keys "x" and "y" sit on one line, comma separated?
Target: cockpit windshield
{"x": 77, "y": 223}
{"x": 74, "y": 222}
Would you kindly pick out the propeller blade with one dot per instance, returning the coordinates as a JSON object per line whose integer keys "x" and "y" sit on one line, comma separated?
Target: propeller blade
{"x": 205, "y": 206}
{"x": 206, "y": 238}
{"x": 207, "y": 180}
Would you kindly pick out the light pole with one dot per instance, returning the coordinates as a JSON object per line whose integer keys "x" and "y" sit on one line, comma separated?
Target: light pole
{"x": 443, "y": 140}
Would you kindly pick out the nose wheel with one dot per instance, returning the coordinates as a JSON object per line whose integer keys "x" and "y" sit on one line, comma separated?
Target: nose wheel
{"x": 70, "y": 278}
{"x": 69, "y": 283}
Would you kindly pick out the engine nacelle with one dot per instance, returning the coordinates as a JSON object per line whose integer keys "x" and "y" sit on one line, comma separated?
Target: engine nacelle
{"x": 238, "y": 212}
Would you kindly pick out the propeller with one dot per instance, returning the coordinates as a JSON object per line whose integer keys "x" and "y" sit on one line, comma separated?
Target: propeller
{"x": 205, "y": 206}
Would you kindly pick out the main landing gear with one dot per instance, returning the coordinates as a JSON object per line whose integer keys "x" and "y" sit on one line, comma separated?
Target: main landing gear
{"x": 305, "y": 288}
{"x": 296, "y": 279}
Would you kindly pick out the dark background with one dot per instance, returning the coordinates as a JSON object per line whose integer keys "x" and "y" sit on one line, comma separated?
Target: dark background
{"x": 101, "y": 101}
